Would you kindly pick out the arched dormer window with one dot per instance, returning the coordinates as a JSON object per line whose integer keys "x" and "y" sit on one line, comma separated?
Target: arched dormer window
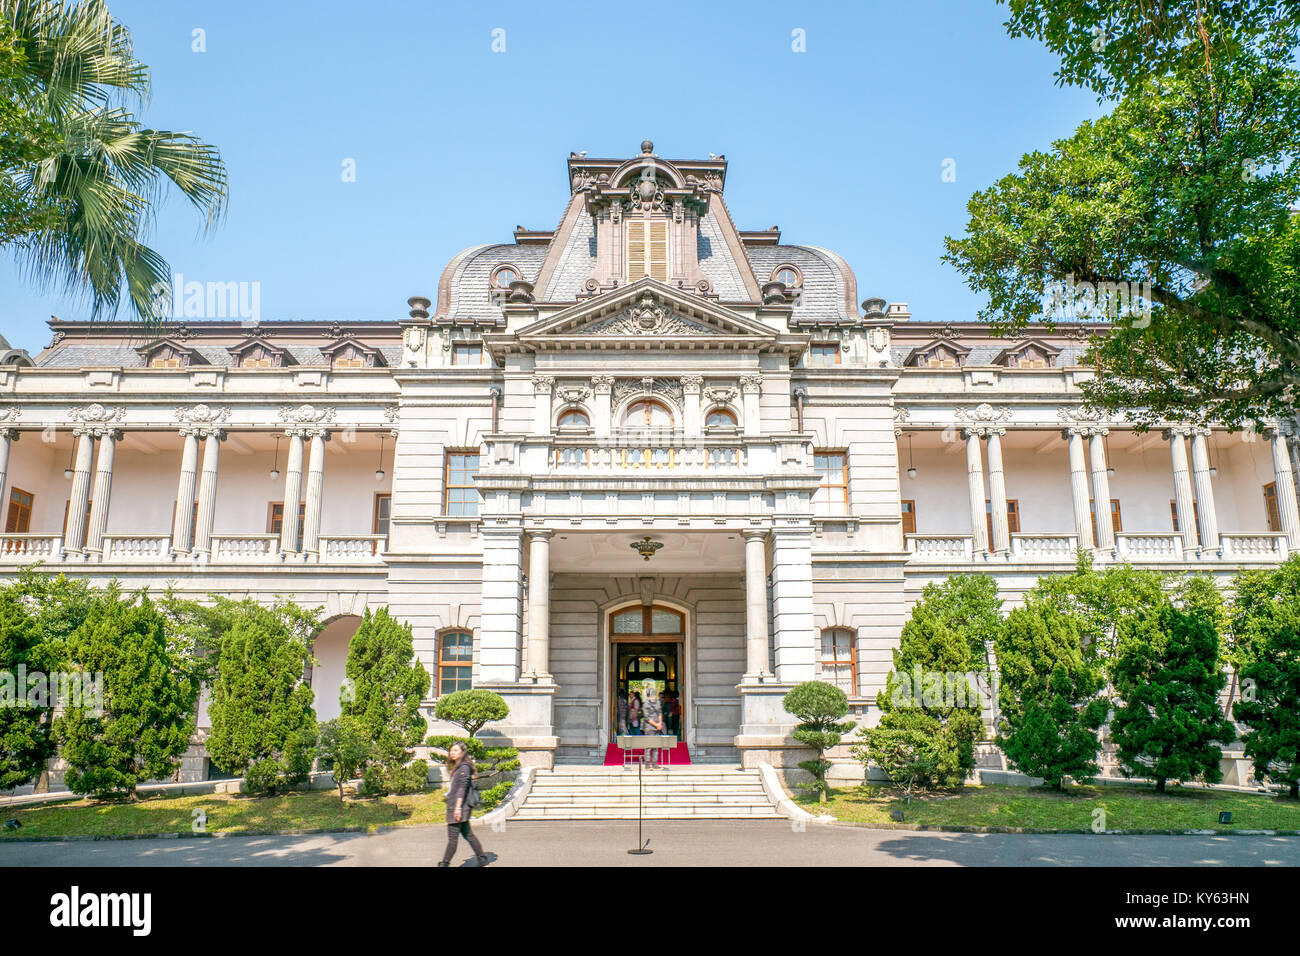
{"x": 502, "y": 276}
{"x": 647, "y": 413}
{"x": 789, "y": 276}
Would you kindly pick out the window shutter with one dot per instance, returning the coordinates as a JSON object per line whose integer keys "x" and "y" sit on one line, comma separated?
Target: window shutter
{"x": 657, "y": 264}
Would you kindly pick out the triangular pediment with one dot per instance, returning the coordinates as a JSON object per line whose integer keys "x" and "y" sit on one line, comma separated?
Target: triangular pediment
{"x": 647, "y": 310}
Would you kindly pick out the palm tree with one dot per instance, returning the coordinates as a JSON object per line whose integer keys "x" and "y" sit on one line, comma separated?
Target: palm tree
{"x": 99, "y": 177}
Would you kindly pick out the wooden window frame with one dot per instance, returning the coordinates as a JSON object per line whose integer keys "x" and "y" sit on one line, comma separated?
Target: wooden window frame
{"x": 374, "y": 517}
{"x": 447, "y": 663}
{"x": 647, "y": 402}
{"x": 1272, "y": 512}
{"x": 844, "y": 474}
{"x": 1013, "y": 517}
{"x": 642, "y": 237}
{"x": 731, "y": 422}
{"x": 21, "y": 512}
{"x": 907, "y": 514}
{"x": 647, "y": 633}
{"x": 852, "y": 661}
{"x": 1116, "y": 516}
{"x": 448, "y": 455}
{"x": 1196, "y": 517}
{"x": 570, "y": 412}
{"x": 271, "y": 522}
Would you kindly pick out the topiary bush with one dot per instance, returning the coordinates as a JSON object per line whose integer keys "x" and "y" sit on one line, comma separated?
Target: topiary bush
{"x": 471, "y": 709}
{"x": 819, "y": 707}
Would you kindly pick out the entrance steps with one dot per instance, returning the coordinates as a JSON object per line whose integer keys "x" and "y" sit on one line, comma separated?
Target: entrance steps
{"x": 695, "y": 792}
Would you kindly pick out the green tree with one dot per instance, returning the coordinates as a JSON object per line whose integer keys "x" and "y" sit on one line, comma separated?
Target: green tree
{"x": 1183, "y": 194}
{"x": 907, "y": 757}
{"x": 346, "y": 746}
{"x": 1266, "y": 617}
{"x": 471, "y": 709}
{"x": 940, "y": 670}
{"x": 820, "y": 709}
{"x": 386, "y": 690}
{"x": 1048, "y": 695}
{"x": 1169, "y": 725}
{"x": 263, "y": 725}
{"x": 83, "y": 174}
{"x": 150, "y": 696}
{"x": 1100, "y": 601}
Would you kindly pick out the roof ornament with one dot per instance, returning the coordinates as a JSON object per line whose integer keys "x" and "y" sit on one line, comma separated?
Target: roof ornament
{"x": 647, "y": 146}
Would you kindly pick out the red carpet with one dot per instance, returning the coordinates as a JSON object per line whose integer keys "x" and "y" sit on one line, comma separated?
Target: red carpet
{"x": 676, "y": 757}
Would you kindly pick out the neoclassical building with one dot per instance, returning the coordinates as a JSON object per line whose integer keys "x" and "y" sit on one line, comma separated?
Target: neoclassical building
{"x": 647, "y": 443}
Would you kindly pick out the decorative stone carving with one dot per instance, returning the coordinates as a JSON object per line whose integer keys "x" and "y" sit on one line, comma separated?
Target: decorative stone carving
{"x": 670, "y": 389}
{"x": 1080, "y": 415}
{"x": 97, "y": 414}
{"x": 984, "y": 414}
{"x": 691, "y": 384}
{"x": 202, "y": 414}
{"x": 390, "y": 413}
{"x": 307, "y": 414}
{"x": 572, "y": 394}
{"x": 720, "y": 394}
{"x": 10, "y": 414}
{"x": 648, "y": 317}
{"x": 415, "y": 338}
{"x": 751, "y": 384}
{"x": 602, "y": 384}
{"x": 542, "y": 384}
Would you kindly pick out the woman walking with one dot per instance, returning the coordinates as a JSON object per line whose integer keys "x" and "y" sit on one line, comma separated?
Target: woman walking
{"x": 459, "y": 807}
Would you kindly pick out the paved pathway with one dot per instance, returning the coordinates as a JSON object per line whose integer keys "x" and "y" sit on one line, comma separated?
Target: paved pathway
{"x": 714, "y": 843}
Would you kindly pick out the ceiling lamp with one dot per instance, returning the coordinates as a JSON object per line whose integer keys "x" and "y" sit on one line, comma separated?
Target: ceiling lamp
{"x": 911, "y": 465}
{"x": 275, "y": 465}
{"x": 646, "y": 547}
{"x": 67, "y": 472}
{"x": 379, "y": 471}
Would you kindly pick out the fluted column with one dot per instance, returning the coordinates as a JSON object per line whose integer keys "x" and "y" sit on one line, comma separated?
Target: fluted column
{"x": 539, "y": 604}
{"x": 1079, "y": 488}
{"x": 212, "y": 439}
{"x": 998, "y": 493}
{"x": 1101, "y": 489}
{"x": 756, "y": 635}
{"x": 1208, "y": 514}
{"x": 292, "y": 493}
{"x": 315, "y": 491}
{"x": 975, "y": 486}
{"x": 103, "y": 491}
{"x": 74, "y": 538}
{"x": 1288, "y": 509}
{"x": 7, "y": 435}
{"x": 183, "y": 522}
{"x": 1182, "y": 489}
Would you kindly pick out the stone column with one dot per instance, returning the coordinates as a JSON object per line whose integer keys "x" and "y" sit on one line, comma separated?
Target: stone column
{"x": 212, "y": 439}
{"x": 74, "y": 537}
{"x": 7, "y": 435}
{"x": 500, "y": 605}
{"x": 756, "y": 634}
{"x": 315, "y": 490}
{"x": 1101, "y": 489}
{"x": 292, "y": 492}
{"x": 975, "y": 486}
{"x": 1287, "y": 509}
{"x": 543, "y": 386}
{"x": 183, "y": 523}
{"x": 1079, "y": 488}
{"x": 751, "y": 389}
{"x": 103, "y": 491}
{"x": 998, "y": 493}
{"x": 1209, "y": 518}
{"x": 539, "y": 604}
{"x": 691, "y": 386}
{"x": 792, "y": 606}
{"x": 1182, "y": 489}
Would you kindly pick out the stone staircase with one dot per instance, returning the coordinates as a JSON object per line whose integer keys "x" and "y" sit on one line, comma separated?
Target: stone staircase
{"x": 696, "y": 792}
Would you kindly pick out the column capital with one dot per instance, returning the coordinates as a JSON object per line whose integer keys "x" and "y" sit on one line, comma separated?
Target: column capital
{"x": 1078, "y": 431}
{"x": 752, "y": 534}
{"x": 1172, "y": 431}
{"x": 602, "y": 384}
{"x": 974, "y": 431}
{"x": 209, "y": 431}
{"x": 751, "y": 384}
{"x": 9, "y": 433}
{"x": 692, "y": 384}
{"x": 542, "y": 384}
{"x": 540, "y": 534}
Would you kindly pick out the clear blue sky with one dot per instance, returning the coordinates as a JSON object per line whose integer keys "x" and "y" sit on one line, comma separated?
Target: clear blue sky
{"x": 841, "y": 146}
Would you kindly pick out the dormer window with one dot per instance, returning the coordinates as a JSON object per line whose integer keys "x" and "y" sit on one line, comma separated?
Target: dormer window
{"x": 788, "y": 276}
{"x": 1031, "y": 354}
{"x": 502, "y": 276}
{"x": 822, "y": 354}
{"x": 941, "y": 357}
{"x": 258, "y": 357}
{"x": 943, "y": 353}
{"x": 467, "y": 353}
{"x": 647, "y": 249}
{"x": 349, "y": 353}
{"x": 167, "y": 353}
{"x": 258, "y": 353}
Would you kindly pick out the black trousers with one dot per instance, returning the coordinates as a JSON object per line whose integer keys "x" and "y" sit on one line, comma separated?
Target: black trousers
{"x": 454, "y": 832}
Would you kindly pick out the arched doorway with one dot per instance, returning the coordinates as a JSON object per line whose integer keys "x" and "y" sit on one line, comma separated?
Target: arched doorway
{"x": 331, "y": 653}
{"x": 647, "y": 644}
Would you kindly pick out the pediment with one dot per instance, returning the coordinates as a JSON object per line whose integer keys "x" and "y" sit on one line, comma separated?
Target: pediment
{"x": 647, "y": 310}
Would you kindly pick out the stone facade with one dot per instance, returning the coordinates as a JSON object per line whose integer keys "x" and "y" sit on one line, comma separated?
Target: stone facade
{"x": 647, "y": 377}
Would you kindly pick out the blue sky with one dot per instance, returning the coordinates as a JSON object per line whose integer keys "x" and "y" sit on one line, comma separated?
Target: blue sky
{"x": 842, "y": 146}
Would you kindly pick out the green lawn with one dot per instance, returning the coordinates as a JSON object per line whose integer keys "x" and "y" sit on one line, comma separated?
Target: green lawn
{"x": 1127, "y": 808}
{"x": 226, "y": 813}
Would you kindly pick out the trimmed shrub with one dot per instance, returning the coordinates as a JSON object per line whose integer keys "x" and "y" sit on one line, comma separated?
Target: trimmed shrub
{"x": 820, "y": 708}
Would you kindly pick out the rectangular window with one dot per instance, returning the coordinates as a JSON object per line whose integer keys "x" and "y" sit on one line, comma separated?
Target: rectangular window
{"x": 1196, "y": 517}
{"x": 1116, "y": 523}
{"x": 1013, "y": 517}
{"x": 19, "y": 519}
{"x": 837, "y": 664}
{"x": 909, "y": 516}
{"x": 647, "y": 249}
{"x": 68, "y": 504}
{"x": 1270, "y": 507}
{"x": 467, "y": 354}
{"x": 833, "y": 495}
{"x": 383, "y": 512}
{"x": 455, "y": 661}
{"x": 823, "y": 354}
{"x": 460, "y": 496}
{"x": 275, "y": 519}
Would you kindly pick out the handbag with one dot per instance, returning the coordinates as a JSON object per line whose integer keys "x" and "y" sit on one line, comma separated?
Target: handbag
{"x": 472, "y": 797}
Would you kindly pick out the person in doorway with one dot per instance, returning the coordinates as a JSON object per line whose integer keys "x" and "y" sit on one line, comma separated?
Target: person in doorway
{"x": 622, "y": 714}
{"x": 634, "y": 713}
{"x": 652, "y": 722}
{"x": 461, "y": 769}
{"x": 674, "y": 715}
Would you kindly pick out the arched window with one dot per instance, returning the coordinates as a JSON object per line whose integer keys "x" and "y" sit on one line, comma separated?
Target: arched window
{"x": 838, "y": 661}
{"x": 573, "y": 417}
{"x": 721, "y": 417}
{"x": 455, "y": 661}
{"x": 788, "y": 275}
{"x": 503, "y": 276}
{"x": 647, "y": 413}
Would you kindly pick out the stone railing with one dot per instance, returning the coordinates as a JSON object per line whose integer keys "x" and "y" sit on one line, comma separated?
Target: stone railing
{"x": 1153, "y": 546}
{"x": 137, "y": 547}
{"x": 1044, "y": 547}
{"x": 650, "y": 456}
{"x": 940, "y": 548}
{"x": 26, "y": 548}
{"x": 1265, "y": 546}
{"x": 352, "y": 548}
{"x": 245, "y": 547}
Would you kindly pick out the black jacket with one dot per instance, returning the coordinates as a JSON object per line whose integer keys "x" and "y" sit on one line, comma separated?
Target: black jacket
{"x": 457, "y": 790}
